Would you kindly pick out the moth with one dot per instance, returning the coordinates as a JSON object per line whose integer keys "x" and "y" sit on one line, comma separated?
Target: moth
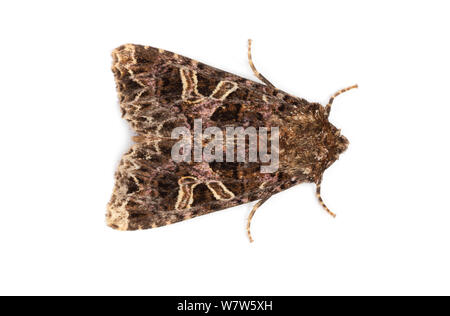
{"x": 160, "y": 91}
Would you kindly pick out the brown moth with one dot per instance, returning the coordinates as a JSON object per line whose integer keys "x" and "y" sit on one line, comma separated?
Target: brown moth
{"x": 159, "y": 91}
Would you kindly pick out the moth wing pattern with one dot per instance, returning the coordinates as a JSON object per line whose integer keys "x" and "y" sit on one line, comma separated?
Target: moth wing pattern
{"x": 158, "y": 91}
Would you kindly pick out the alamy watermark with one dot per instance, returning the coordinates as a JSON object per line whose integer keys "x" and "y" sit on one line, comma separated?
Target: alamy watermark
{"x": 211, "y": 145}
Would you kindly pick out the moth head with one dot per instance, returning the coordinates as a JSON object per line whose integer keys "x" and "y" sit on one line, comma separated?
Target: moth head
{"x": 325, "y": 143}
{"x": 310, "y": 142}
{"x": 333, "y": 140}
{"x": 337, "y": 142}
{"x": 330, "y": 143}
{"x": 323, "y": 148}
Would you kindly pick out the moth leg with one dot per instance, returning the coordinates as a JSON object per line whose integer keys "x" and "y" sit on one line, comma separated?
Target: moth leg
{"x": 257, "y": 74}
{"x": 249, "y": 220}
{"x": 319, "y": 197}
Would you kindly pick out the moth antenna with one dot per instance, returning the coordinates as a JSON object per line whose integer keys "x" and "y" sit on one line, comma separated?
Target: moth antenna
{"x": 249, "y": 220}
{"x": 330, "y": 102}
{"x": 319, "y": 197}
{"x": 257, "y": 74}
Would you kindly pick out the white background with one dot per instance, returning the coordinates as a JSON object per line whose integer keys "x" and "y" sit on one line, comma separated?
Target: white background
{"x": 62, "y": 137}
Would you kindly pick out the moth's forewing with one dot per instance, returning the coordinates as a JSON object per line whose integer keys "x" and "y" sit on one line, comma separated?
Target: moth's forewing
{"x": 159, "y": 91}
